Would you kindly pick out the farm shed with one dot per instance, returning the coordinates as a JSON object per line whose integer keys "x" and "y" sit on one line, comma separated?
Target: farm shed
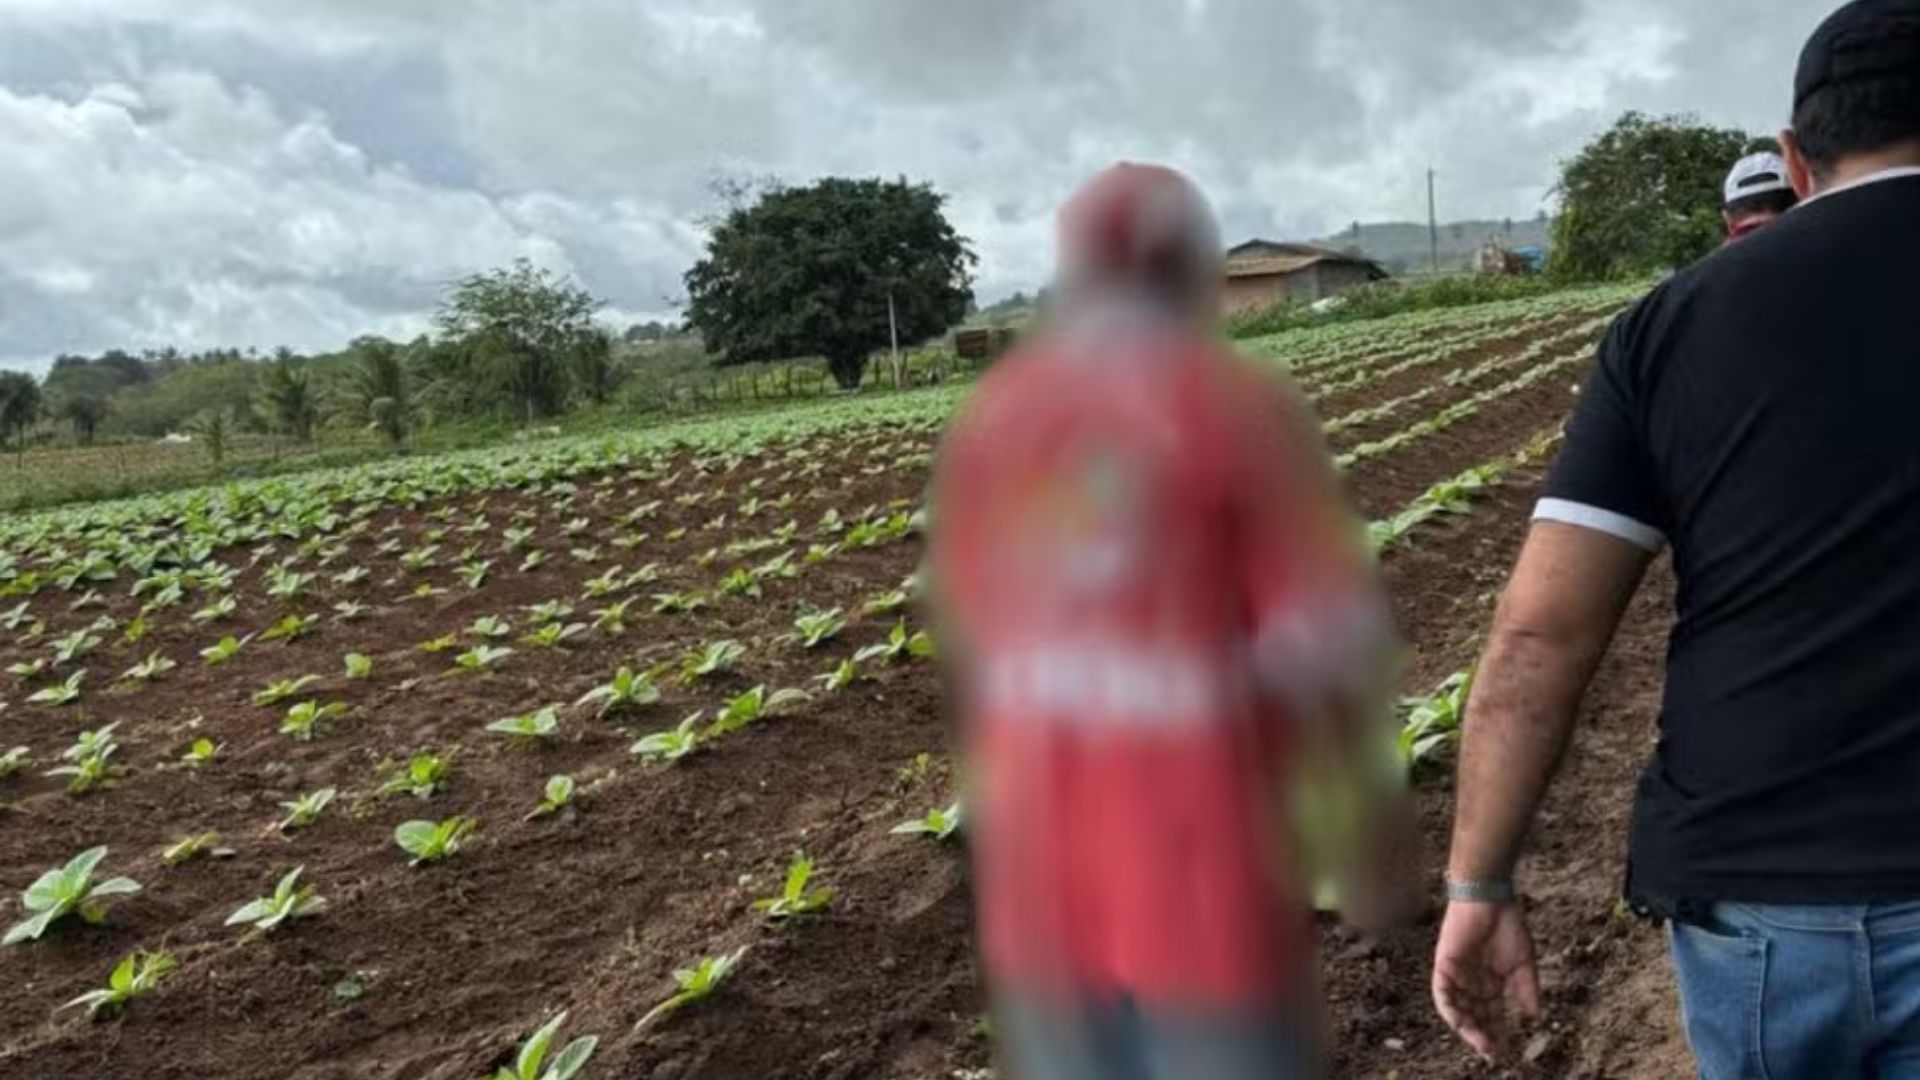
{"x": 1263, "y": 272}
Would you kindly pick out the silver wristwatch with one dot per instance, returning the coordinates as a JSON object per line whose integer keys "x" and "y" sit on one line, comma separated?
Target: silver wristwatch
{"x": 1480, "y": 892}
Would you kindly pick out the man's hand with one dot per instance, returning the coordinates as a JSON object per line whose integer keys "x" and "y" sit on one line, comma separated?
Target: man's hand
{"x": 1484, "y": 976}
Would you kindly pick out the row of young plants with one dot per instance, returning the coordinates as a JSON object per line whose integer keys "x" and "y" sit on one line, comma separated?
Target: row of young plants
{"x": 1458, "y": 411}
{"x": 1338, "y": 349}
{"x": 1577, "y": 336}
{"x": 285, "y": 582}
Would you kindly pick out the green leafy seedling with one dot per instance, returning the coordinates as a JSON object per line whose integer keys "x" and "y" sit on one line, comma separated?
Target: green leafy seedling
{"x": 281, "y": 689}
{"x": 421, "y": 776}
{"x": 529, "y": 728}
{"x": 135, "y": 975}
{"x": 554, "y": 634}
{"x": 710, "y": 660}
{"x": 154, "y": 666}
{"x": 289, "y": 900}
{"x": 306, "y": 809}
{"x": 224, "y": 650}
{"x": 557, "y": 796}
{"x": 290, "y": 628}
{"x": 795, "y": 898}
{"x": 65, "y": 692}
{"x": 937, "y": 824}
{"x": 490, "y": 627}
{"x": 480, "y": 658}
{"x": 671, "y": 745}
{"x": 754, "y": 705}
{"x": 899, "y": 645}
{"x": 359, "y": 665}
{"x": 200, "y": 752}
{"x": 13, "y": 761}
{"x": 429, "y": 842}
{"x": 188, "y": 848}
{"x": 816, "y": 628}
{"x": 65, "y": 891}
{"x": 695, "y": 983}
{"x": 304, "y": 721}
{"x": 87, "y": 759}
{"x": 627, "y": 691}
{"x": 678, "y": 603}
{"x": 531, "y": 1062}
{"x": 219, "y": 609}
{"x": 436, "y": 646}
{"x": 840, "y": 676}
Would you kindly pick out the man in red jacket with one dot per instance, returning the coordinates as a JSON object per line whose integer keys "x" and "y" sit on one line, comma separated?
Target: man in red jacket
{"x": 1154, "y": 600}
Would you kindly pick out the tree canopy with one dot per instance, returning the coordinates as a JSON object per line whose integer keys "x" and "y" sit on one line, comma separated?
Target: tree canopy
{"x": 19, "y": 404}
{"x": 808, "y": 272}
{"x": 522, "y": 336}
{"x": 1644, "y": 196}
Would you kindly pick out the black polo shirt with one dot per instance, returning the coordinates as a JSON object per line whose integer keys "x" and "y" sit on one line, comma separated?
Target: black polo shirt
{"x": 1760, "y": 413}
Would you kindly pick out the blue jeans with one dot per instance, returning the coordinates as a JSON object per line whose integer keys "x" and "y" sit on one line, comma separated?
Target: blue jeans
{"x": 1785, "y": 991}
{"x": 1120, "y": 1041}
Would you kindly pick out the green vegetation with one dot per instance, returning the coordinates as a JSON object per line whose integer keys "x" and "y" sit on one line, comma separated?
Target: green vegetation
{"x": 132, "y": 977}
{"x": 529, "y": 728}
{"x": 1644, "y": 197}
{"x": 695, "y": 983}
{"x": 306, "y": 809}
{"x": 188, "y": 848}
{"x": 530, "y": 1063}
{"x": 674, "y": 744}
{"x": 555, "y": 797}
{"x": 818, "y": 271}
{"x": 430, "y": 842}
{"x": 289, "y": 900}
{"x": 1374, "y": 302}
{"x": 67, "y": 890}
{"x": 795, "y": 897}
{"x": 937, "y": 824}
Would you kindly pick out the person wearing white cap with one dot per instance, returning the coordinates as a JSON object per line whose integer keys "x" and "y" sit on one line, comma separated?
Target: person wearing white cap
{"x": 1758, "y": 191}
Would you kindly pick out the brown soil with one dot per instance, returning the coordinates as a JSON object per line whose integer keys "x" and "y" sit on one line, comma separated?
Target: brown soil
{"x": 435, "y": 973}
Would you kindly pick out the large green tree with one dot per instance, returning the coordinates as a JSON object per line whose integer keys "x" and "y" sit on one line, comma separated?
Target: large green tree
{"x": 1644, "y": 196}
{"x": 515, "y": 337}
{"x": 809, "y": 272}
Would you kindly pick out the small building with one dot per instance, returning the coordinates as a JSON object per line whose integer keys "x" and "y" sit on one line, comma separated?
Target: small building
{"x": 1261, "y": 273}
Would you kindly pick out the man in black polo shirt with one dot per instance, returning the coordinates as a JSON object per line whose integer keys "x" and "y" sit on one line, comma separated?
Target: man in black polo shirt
{"x": 1759, "y": 413}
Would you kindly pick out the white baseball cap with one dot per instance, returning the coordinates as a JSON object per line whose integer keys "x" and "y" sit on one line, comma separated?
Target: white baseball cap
{"x": 1757, "y": 174}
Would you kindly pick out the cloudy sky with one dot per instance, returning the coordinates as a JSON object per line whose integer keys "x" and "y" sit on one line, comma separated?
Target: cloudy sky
{"x": 262, "y": 172}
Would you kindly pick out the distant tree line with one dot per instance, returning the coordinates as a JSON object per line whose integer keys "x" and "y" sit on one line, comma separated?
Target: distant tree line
{"x": 837, "y": 270}
{"x": 519, "y": 343}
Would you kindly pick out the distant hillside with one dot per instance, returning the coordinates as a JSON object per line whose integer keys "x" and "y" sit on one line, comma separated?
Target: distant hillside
{"x": 1402, "y": 246}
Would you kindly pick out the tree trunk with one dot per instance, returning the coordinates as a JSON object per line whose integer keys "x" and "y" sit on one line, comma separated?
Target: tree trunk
{"x": 848, "y": 369}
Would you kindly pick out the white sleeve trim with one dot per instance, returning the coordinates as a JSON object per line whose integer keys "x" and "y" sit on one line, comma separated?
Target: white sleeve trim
{"x": 1567, "y": 512}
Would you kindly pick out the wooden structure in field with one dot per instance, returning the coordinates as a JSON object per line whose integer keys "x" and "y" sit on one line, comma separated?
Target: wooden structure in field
{"x": 1261, "y": 273}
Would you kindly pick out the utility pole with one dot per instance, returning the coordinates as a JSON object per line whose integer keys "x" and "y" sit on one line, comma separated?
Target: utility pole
{"x": 893, "y": 335}
{"x": 1433, "y": 225}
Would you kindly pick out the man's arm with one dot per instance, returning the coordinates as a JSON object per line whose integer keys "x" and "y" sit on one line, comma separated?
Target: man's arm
{"x": 1555, "y": 620}
{"x": 1553, "y": 626}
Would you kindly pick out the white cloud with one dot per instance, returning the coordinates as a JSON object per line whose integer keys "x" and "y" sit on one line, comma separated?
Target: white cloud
{"x": 258, "y": 172}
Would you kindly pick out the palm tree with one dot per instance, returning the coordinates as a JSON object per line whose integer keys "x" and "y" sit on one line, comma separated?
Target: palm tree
{"x": 290, "y": 398}
{"x": 380, "y": 387}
